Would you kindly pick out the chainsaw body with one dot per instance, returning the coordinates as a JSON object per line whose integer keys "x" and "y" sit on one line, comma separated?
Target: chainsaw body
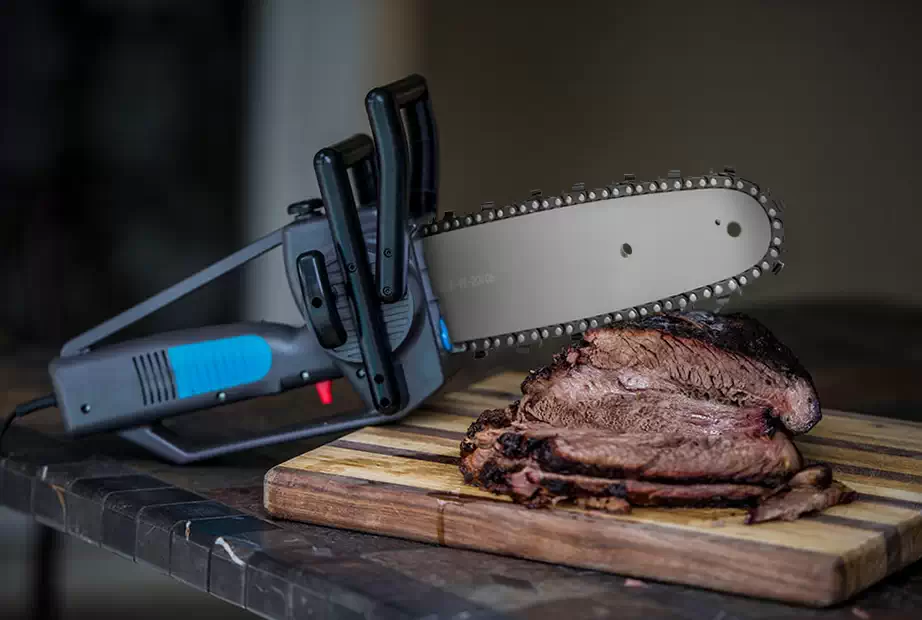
{"x": 392, "y": 295}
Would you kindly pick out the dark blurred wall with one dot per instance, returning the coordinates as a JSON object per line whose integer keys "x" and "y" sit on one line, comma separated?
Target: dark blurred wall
{"x": 138, "y": 145}
{"x": 119, "y": 160}
{"x": 815, "y": 99}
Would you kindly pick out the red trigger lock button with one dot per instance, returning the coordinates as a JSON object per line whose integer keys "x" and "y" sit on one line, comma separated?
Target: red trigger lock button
{"x": 325, "y": 392}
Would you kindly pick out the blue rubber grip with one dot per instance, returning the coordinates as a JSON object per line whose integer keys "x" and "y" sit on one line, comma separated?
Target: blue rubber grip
{"x": 214, "y": 365}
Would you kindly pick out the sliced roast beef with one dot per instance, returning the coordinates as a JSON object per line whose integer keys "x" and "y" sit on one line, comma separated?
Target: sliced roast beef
{"x": 673, "y": 410}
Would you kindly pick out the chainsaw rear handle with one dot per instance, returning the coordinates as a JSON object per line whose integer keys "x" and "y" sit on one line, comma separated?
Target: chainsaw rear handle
{"x": 407, "y": 182}
{"x": 145, "y": 380}
{"x": 331, "y": 166}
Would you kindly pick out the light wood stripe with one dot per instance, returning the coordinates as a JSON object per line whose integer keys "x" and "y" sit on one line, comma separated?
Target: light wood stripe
{"x": 458, "y": 409}
{"x": 882, "y": 463}
{"x": 406, "y": 453}
{"x": 510, "y": 382}
{"x": 885, "y": 488}
{"x": 441, "y": 420}
{"x": 437, "y": 477}
{"x": 876, "y": 431}
{"x": 330, "y": 459}
{"x": 397, "y": 437}
{"x": 477, "y": 401}
{"x": 833, "y": 442}
{"x": 875, "y": 513}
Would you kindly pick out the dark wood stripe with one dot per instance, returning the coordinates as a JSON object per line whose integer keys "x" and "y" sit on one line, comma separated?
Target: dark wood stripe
{"x": 430, "y": 432}
{"x": 893, "y": 542}
{"x": 889, "y": 501}
{"x": 855, "y": 445}
{"x": 870, "y": 472}
{"x": 401, "y": 452}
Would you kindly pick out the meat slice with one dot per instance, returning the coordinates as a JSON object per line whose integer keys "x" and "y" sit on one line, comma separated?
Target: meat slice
{"x": 534, "y": 487}
{"x": 694, "y": 373}
{"x": 810, "y": 490}
{"x": 641, "y": 456}
{"x": 672, "y": 410}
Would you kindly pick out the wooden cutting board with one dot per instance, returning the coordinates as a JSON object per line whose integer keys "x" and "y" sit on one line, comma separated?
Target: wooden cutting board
{"x": 403, "y": 480}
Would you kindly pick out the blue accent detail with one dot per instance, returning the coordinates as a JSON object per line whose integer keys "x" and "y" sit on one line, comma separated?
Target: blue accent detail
{"x": 443, "y": 334}
{"x": 214, "y": 365}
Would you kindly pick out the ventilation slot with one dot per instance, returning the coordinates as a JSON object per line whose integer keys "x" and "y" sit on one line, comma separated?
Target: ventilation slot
{"x": 155, "y": 377}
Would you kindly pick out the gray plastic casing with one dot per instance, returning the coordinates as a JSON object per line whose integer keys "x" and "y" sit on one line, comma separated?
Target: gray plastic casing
{"x": 130, "y": 385}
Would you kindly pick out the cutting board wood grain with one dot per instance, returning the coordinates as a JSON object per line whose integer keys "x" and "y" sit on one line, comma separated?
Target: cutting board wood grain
{"x": 403, "y": 480}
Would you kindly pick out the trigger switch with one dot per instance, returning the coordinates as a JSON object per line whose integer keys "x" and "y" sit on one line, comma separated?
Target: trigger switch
{"x": 319, "y": 301}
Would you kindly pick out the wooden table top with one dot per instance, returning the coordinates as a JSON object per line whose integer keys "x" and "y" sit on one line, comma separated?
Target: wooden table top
{"x": 204, "y": 524}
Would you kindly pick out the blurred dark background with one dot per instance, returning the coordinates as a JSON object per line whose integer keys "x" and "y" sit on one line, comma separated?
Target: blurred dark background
{"x": 142, "y": 140}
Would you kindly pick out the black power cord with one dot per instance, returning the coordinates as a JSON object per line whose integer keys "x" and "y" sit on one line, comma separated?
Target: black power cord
{"x": 25, "y": 409}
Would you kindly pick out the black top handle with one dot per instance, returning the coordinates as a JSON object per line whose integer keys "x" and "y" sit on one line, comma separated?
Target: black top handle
{"x": 331, "y": 166}
{"x": 407, "y": 182}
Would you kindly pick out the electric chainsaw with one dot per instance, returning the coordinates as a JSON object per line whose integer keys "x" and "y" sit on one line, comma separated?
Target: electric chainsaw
{"x": 392, "y": 295}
